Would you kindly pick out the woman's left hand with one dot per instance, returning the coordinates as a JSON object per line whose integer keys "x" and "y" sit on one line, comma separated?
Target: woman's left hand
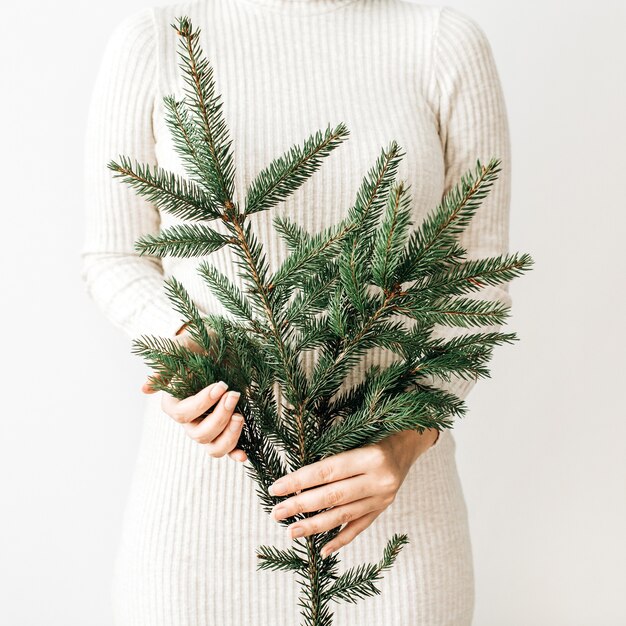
{"x": 358, "y": 484}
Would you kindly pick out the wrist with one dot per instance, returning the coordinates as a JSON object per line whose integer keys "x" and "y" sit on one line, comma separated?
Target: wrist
{"x": 427, "y": 439}
{"x": 436, "y": 434}
{"x": 410, "y": 444}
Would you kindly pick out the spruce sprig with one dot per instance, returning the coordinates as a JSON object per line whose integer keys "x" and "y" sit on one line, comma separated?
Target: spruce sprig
{"x": 341, "y": 292}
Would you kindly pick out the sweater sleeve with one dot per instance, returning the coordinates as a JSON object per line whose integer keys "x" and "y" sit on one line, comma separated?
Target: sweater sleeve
{"x": 473, "y": 125}
{"x": 127, "y": 287}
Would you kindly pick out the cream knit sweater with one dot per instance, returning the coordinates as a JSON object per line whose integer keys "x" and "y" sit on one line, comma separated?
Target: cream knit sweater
{"x": 389, "y": 69}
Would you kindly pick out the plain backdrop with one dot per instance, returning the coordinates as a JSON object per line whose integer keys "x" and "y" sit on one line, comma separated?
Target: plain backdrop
{"x": 541, "y": 451}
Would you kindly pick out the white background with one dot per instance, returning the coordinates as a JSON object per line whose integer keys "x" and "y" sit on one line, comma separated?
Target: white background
{"x": 542, "y": 450}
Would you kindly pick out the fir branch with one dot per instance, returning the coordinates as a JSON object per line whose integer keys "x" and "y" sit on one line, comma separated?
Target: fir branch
{"x": 252, "y": 263}
{"x": 354, "y": 266}
{"x": 186, "y": 140}
{"x": 354, "y": 276}
{"x": 309, "y": 257}
{"x": 470, "y": 276}
{"x": 314, "y": 333}
{"x": 293, "y": 234}
{"x": 183, "y": 303}
{"x": 213, "y": 148}
{"x": 275, "y": 559}
{"x": 182, "y": 240}
{"x": 383, "y": 414}
{"x": 179, "y": 371}
{"x": 391, "y": 237}
{"x": 287, "y": 366}
{"x": 329, "y": 371}
{"x": 371, "y": 195}
{"x": 436, "y": 237}
{"x": 311, "y": 298}
{"x": 474, "y": 340}
{"x": 455, "y": 311}
{"x": 358, "y": 582}
{"x": 228, "y": 294}
{"x": 265, "y": 463}
{"x": 168, "y": 191}
{"x": 465, "y": 356}
{"x": 288, "y": 172}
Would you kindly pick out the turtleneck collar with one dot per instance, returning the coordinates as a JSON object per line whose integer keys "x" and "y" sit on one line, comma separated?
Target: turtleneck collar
{"x": 304, "y": 7}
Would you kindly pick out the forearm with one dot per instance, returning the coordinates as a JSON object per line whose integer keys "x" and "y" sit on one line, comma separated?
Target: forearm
{"x": 130, "y": 292}
{"x": 127, "y": 287}
{"x": 473, "y": 124}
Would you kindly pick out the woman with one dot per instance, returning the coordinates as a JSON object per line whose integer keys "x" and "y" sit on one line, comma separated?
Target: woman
{"x": 389, "y": 69}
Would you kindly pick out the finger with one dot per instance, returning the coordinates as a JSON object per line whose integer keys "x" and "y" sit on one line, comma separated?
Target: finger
{"x": 336, "y": 467}
{"x": 190, "y": 408}
{"x": 238, "y": 455}
{"x": 147, "y": 386}
{"x": 349, "y": 532}
{"x": 334, "y": 494}
{"x": 226, "y": 441}
{"x": 332, "y": 518}
{"x": 207, "y": 429}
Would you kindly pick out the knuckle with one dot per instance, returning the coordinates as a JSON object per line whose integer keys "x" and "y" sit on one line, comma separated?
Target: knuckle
{"x": 345, "y": 517}
{"x": 176, "y": 414}
{"x": 298, "y": 506}
{"x": 200, "y": 405}
{"x": 195, "y": 408}
{"x": 377, "y": 456}
{"x": 325, "y": 472}
{"x": 389, "y": 482}
{"x": 334, "y": 497}
{"x": 201, "y": 437}
{"x": 214, "y": 451}
{"x": 389, "y": 498}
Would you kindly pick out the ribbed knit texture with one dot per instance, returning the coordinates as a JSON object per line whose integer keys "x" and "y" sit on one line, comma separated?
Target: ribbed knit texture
{"x": 388, "y": 69}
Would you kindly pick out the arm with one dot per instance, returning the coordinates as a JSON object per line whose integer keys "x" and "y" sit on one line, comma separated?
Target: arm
{"x": 127, "y": 287}
{"x": 362, "y": 482}
{"x": 473, "y": 125}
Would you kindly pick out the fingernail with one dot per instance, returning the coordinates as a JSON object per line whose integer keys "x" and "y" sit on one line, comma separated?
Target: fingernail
{"x": 235, "y": 421}
{"x": 231, "y": 400}
{"x": 297, "y": 531}
{"x": 218, "y": 389}
{"x": 324, "y": 552}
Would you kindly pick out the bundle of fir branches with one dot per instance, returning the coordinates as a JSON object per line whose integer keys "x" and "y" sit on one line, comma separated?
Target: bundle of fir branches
{"x": 338, "y": 291}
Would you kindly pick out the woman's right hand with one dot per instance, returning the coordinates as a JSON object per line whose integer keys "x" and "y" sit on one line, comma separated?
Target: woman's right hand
{"x": 219, "y": 430}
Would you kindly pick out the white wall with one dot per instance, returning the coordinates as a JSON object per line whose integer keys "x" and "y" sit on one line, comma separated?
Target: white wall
{"x": 541, "y": 451}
